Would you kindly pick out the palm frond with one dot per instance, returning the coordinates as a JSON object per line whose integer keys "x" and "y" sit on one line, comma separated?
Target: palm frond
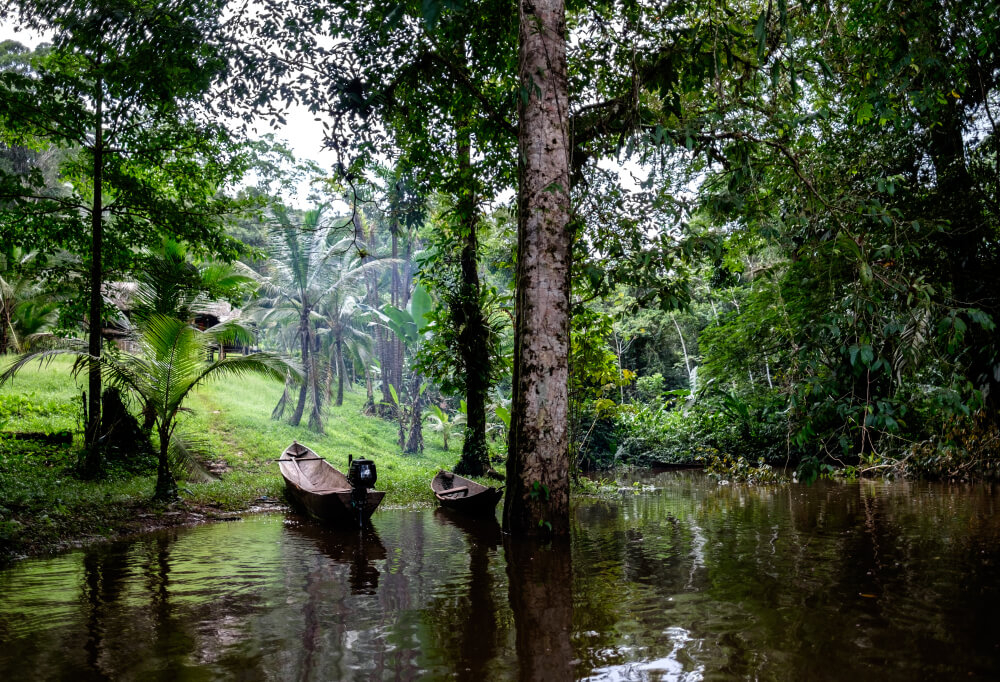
{"x": 267, "y": 364}
{"x": 40, "y": 356}
{"x": 231, "y": 332}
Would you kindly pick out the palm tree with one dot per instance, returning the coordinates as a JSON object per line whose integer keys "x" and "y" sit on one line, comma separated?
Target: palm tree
{"x": 169, "y": 364}
{"x": 441, "y": 423}
{"x": 172, "y": 283}
{"x": 292, "y": 292}
{"x": 342, "y": 307}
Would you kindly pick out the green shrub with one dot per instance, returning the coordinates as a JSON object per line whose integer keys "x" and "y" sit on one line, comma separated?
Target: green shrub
{"x": 726, "y": 467}
{"x": 649, "y": 388}
{"x": 751, "y": 427}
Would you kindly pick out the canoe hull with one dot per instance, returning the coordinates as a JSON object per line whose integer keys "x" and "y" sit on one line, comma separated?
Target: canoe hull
{"x": 334, "y": 508}
{"x": 483, "y": 504}
{"x": 474, "y": 500}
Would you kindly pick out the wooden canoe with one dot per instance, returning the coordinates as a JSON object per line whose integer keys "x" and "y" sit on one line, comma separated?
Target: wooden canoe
{"x": 462, "y": 495}
{"x": 323, "y": 492}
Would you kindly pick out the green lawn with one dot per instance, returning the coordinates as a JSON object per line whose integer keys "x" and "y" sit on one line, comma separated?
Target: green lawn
{"x": 234, "y": 421}
{"x": 43, "y": 506}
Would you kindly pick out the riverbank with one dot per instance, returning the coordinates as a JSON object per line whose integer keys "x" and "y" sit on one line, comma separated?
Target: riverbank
{"x": 44, "y": 508}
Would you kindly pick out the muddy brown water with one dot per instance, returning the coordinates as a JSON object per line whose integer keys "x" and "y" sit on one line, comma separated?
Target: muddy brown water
{"x": 677, "y": 578}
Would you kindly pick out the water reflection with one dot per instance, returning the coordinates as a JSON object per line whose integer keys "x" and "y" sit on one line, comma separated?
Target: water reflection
{"x": 466, "y": 619}
{"x": 359, "y": 549}
{"x": 681, "y": 580}
{"x": 540, "y": 589}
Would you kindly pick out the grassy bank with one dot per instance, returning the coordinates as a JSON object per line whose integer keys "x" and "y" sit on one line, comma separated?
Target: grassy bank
{"x": 44, "y": 507}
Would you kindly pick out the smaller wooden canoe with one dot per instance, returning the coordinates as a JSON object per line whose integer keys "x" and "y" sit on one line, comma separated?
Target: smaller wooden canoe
{"x": 461, "y": 494}
{"x": 323, "y": 492}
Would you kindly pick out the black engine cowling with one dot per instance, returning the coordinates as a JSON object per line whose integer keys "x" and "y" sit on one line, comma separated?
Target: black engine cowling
{"x": 362, "y": 474}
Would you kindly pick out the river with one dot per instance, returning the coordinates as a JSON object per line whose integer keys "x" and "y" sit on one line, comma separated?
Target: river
{"x": 674, "y": 578}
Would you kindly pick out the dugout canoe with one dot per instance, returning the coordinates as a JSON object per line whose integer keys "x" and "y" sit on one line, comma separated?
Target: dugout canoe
{"x": 468, "y": 497}
{"x": 322, "y": 491}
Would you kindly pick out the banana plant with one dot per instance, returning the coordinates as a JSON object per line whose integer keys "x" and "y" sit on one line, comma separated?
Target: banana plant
{"x": 411, "y": 326}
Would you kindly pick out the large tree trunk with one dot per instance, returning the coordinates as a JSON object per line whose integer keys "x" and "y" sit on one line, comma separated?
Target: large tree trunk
{"x": 537, "y": 499}
{"x": 969, "y": 244}
{"x": 93, "y": 463}
{"x": 468, "y": 315}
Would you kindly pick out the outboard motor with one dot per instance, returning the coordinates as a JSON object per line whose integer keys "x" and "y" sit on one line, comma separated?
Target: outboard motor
{"x": 362, "y": 475}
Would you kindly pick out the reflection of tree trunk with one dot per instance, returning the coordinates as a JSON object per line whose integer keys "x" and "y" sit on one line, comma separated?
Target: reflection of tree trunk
{"x": 537, "y": 498}
{"x": 104, "y": 573}
{"x": 311, "y": 625}
{"x": 479, "y": 641}
{"x": 540, "y": 589}
{"x": 166, "y": 639}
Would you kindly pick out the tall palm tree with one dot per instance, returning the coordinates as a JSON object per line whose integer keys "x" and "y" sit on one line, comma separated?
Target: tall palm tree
{"x": 169, "y": 364}
{"x": 341, "y": 304}
{"x": 292, "y": 292}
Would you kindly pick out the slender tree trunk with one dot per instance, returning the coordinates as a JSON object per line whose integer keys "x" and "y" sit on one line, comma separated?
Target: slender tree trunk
{"x": 473, "y": 341}
{"x": 396, "y": 298}
{"x": 370, "y": 392}
{"x": 415, "y": 442}
{"x": 5, "y": 324}
{"x": 316, "y": 413}
{"x": 93, "y": 463}
{"x": 382, "y": 337}
{"x": 537, "y": 499}
{"x": 687, "y": 359}
{"x": 166, "y": 487}
{"x": 279, "y": 409}
{"x": 339, "y": 350}
{"x": 306, "y": 378}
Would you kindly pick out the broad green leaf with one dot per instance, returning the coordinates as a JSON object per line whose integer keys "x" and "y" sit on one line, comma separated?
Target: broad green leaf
{"x": 421, "y": 305}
